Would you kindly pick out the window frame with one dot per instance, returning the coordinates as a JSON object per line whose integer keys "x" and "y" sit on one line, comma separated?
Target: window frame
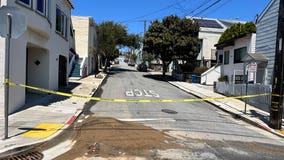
{"x": 30, "y": 5}
{"x": 240, "y": 56}
{"x": 43, "y": 12}
{"x": 239, "y": 79}
{"x": 60, "y": 15}
{"x": 226, "y": 57}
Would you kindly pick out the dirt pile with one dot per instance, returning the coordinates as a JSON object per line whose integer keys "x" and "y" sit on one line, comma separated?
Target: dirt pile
{"x": 108, "y": 137}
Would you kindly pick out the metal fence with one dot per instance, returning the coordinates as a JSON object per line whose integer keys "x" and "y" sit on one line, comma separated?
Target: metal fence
{"x": 261, "y": 102}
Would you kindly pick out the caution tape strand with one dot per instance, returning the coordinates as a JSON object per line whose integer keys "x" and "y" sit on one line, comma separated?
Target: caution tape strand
{"x": 131, "y": 100}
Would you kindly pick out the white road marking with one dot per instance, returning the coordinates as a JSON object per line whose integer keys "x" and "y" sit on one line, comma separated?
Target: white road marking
{"x": 138, "y": 92}
{"x": 129, "y": 93}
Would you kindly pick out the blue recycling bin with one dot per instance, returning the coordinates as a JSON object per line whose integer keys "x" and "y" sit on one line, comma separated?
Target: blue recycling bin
{"x": 193, "y": 78}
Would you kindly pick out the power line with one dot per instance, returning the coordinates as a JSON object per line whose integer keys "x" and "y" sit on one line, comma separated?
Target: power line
{"x": 213, "y": 4}
{"x": 222, "y": 5}
{"x": 154, "y": 12}
{"x": 198, "y": 7}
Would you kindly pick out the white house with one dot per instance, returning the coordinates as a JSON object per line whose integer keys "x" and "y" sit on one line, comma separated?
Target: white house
{"x": 230, "y": 55}
{"x": 39, "y": 57}
{"x": 86, "y": 42}
{"x": 209, "y": 34}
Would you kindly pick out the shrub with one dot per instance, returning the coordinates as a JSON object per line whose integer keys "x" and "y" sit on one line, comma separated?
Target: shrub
{"x": 223, "y": 79}
{"x": 200, "y": 70}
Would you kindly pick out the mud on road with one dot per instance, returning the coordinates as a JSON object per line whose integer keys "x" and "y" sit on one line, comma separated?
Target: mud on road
{"x": 108, "y": 137}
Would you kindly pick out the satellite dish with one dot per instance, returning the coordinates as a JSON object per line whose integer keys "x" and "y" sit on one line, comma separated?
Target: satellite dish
{"x": 19, "y": 23}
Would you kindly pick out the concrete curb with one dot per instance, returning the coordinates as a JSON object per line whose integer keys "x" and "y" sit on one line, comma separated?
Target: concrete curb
{"x": 22, "y": 148}
{"x": 241, "y": 115}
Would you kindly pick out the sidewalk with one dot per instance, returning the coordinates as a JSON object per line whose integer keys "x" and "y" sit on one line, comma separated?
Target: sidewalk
{"x": 235, "y": 107}
{"x": 46, "y": 116}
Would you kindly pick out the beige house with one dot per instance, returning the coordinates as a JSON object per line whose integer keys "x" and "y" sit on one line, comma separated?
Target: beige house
{"x": 39, "y": 57}
{"x": 86, "y": 43}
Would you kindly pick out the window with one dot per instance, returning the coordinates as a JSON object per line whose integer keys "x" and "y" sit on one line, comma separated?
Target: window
{"x": 220, "y": 59}
{"x": 40, "y": 6}
{"x": 239, "y": 54}
{"x": 61, "y": 23}
{"x": 239, "y": 79}
{"x": 226, "y": 57}
{"x": 26, "y": 2}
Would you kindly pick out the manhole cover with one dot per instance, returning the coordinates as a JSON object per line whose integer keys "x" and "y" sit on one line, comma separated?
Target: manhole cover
{"x": 35, "y": 155}
{"x": 169, "y": 111}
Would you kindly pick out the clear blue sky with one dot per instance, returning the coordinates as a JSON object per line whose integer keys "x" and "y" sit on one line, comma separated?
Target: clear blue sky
{"x": 132, "y": 13}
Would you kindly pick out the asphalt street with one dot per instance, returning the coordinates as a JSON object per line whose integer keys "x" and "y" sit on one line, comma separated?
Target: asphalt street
{"x": 208, "y": 131}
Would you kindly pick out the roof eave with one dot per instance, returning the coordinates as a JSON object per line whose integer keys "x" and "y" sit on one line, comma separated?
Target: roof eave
{"x": 265, "y": 10}
{"x": 70, "y": 4}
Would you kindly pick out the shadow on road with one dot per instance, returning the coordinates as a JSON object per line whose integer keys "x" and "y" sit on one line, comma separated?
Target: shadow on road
{"x": 263, "y": 118}
{"x": 115, "y": 70}
{"x": 160, "y": 77}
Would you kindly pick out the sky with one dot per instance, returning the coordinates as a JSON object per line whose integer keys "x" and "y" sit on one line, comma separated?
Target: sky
{"x": 133, "y": 13}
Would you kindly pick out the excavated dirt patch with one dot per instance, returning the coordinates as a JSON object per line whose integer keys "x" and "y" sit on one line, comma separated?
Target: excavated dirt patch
{"x": 108, "y": 137}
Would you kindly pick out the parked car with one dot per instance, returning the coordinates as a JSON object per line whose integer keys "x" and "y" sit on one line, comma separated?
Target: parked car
{"x": 142, "y": 67}
{"x": 116, "y": 61}
{"x": 131, "y": 63}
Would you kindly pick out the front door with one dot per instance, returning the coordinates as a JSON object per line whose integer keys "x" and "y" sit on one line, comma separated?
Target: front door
{"x": 62, "y": 71}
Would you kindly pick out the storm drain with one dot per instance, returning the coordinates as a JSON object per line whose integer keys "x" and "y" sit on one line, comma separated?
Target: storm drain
{"x": 169, "y": 111}
{"x": 35, "y": 155}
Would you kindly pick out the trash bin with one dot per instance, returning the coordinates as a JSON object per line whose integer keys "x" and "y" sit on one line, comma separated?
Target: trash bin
{"x": 193, "y": 78}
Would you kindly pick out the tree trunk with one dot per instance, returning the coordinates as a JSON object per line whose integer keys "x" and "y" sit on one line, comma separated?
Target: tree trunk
{"x": 165, "y": 66}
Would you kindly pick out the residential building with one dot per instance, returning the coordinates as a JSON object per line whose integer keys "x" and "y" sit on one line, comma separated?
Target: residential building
{"x": 86, "y": 44}
{"x": 266, "y": 35}
{"x": 230, "y": 55}
{"x": 39, "y": 57}
{"x": 209, "y": 34}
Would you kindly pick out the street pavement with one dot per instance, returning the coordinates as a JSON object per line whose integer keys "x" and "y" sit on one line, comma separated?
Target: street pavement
{"x": 233, "y": 106}
{"x": 46, "y": 116}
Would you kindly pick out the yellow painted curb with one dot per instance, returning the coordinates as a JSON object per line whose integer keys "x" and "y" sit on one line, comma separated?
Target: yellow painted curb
{"x": 43, "y": 130}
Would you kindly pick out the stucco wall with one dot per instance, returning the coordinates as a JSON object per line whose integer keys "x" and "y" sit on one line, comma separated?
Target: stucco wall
{"x": 41, "y": 34}
{"x": 85, "y": 39}
{"x": 81, "y": 26}
{"x": 209, "y": 40}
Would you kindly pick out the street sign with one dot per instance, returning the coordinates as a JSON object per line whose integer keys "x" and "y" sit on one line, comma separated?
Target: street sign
{"x": 19, "y": 24}
{"x": 12, "y": 25}
{"x": 252, "y": 67}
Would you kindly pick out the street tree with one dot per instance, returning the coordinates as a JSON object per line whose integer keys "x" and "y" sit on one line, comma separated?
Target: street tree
{"x": 113, "y": 36}
{"x": 172, "y": 38}
{"x": 110, "y": 36}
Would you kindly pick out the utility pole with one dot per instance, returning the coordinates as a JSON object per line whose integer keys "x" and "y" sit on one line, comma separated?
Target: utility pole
{"x": 276, "y": 109}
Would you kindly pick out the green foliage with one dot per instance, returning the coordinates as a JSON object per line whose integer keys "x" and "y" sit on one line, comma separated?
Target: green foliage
{"x": 172, "y": 38}
{"x": 148, "y": 57}
{"x": 133, "y": 41}
{"x": 237, "y": 30}
{"x": 200, "y": 70}
{"x": 112, "y": 35}
{"x": 223, "y": 79}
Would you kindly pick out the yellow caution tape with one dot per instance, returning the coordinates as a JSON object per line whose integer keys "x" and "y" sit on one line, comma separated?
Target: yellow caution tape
{"x": 130, "y": 100}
